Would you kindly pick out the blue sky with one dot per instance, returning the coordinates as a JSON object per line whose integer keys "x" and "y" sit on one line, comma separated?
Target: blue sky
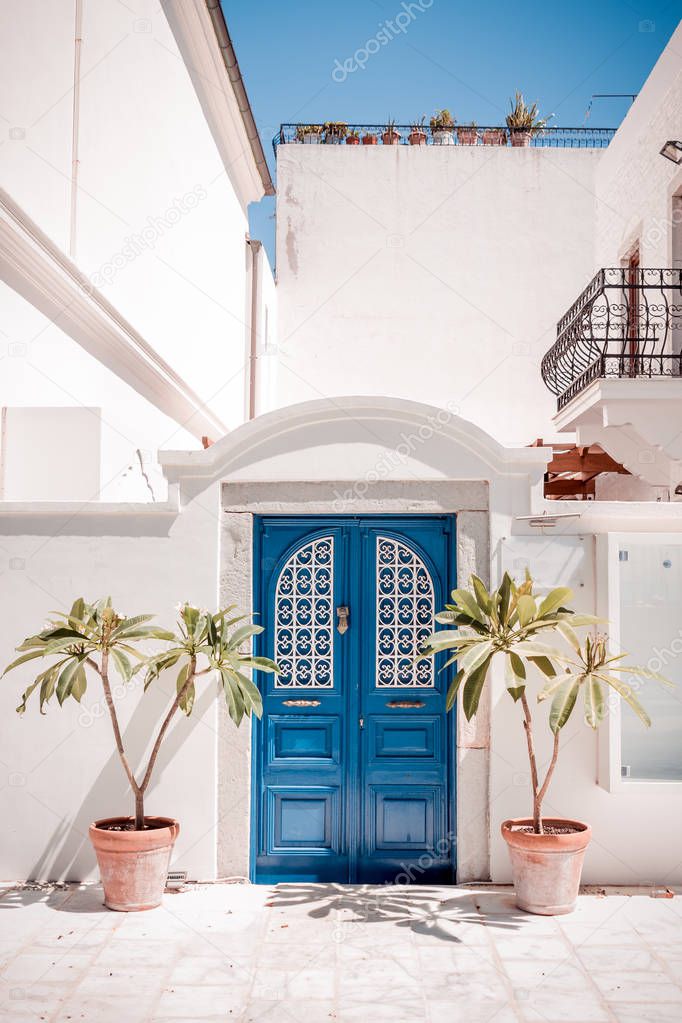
{"x": 467, "y": 56}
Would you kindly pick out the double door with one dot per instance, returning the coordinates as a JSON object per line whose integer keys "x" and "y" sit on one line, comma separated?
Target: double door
{"x": 353, "y": 759}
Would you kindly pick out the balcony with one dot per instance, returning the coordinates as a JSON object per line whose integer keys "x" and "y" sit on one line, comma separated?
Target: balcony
{"x": 626, "y": 324}
{"x": 458, "y": 135}
{"x": 616, "y": 369}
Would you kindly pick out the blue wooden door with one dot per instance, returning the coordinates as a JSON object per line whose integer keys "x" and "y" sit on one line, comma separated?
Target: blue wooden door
{"x": 354, "y": 758}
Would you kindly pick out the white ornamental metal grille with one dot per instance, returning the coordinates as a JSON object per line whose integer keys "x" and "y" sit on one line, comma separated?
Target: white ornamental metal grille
{"x": 304, "y": 647}
{"x": 405, "y": 615}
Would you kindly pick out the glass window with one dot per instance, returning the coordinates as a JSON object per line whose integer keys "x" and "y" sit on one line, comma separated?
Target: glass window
{"x": 651, "y": 633}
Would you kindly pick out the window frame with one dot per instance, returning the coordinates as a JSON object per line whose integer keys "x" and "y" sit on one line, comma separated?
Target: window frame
{"x": 609, "y": 756}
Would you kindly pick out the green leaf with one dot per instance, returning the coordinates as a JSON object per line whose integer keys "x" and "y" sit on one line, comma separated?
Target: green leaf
{"x": 504, "y": 594}
{"x": 24, "y": 657}
{"x": 627, "y": 694}
{"x": 453, "y": 689}
{"x": 594, "y": 701}
{"x": 563, "y": 704}
{"x": 122, "y": 664}
{"x": 66, "y": 680}
{"x": 243, "y": 633}
{"x": 465, "y": 600}
{"x": 526, "y": 609}
{"x": 569, "y": 635}
{"x": 49, "y": 679}
{"x": 554, "y": 599}
{"x": 483, "y": 598}
{"x": 473, "y": 686}
{"x": 187, "y": 699}
{"x": 630, "y": 669}
{"x": 129, "y": 624}
{"x": 517, "y": 665}
{"x": 235, "y": 701}
{"x": 80, "y": 684}
{"x": 545, "y": 665}
{"x": 516, "y": 692}
{"x": 259, "y": 664}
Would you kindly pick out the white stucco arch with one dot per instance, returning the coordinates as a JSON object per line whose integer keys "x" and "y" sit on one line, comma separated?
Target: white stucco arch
{"x": 349, "y": 437}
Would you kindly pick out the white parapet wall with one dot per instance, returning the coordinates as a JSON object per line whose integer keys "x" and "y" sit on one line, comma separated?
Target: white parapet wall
{"x": 431, "y": 273}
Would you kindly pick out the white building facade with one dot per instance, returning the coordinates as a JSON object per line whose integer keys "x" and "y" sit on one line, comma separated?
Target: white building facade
{"x": 379, "y": 433}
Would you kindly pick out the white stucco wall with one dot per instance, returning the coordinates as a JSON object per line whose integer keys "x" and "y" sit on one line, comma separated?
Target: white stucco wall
{"x": 42, "y": 366}
{"x": 159, "y": 229}
{"x": 436, "y": 274}
{"x": 634, "y": 183}
{"x": 60, "y": 771}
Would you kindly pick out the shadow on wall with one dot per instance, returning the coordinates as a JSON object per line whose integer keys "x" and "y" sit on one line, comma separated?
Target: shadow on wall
{"x": 69, "y": 854}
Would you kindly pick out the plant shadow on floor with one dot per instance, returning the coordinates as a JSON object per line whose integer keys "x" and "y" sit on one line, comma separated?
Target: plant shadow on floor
{"x": 423, "y": 910}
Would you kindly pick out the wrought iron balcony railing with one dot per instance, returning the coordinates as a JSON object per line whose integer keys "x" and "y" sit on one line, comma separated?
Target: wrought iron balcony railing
{"x": 461, "y": 135}
{"x": 626, "y": 323}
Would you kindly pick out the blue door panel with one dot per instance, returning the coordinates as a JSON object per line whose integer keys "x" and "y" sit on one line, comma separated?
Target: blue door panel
{"x": 303, "y": 820}
{"x": 404, "y": 738}
{"x": 354, "y": 759}
{"x": 303, "y": 740}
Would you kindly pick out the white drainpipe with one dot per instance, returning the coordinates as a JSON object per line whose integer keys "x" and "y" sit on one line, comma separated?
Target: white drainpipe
{"x": 255, "y": 248}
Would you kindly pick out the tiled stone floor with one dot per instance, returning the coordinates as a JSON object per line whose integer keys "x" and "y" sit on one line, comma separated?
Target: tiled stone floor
{"x": 314, "y": 953}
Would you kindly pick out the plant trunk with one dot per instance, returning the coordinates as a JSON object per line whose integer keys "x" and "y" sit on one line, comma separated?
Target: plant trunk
{"x": 537, "y": 802}
{"x": 539, "y": 796}
{"x": 139, "y": 810}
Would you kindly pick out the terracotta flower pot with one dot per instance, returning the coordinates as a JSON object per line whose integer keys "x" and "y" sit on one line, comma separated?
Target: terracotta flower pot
{"x": 417, "y": 138}
{"x": 467, "y": 136}
{"x": 546, "y": 868}
{"x": 369, "y": 140}
{"x": 390, "y": 138}
{"x": 494, "y": 137}
{"x": 133, "y": 865}
{"x": 353, "y": 140}
{"x": 520, "y": 138}
{"x": 443, "y": 136}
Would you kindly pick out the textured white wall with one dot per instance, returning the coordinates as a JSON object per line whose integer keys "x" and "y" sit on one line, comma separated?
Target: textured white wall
{"x": 159, "y": 228}
{"x": 60, "y": 771}
{"x": 432, "y": 273}
{"x": 634, "y": 183}
{"x": 619, "y": 853}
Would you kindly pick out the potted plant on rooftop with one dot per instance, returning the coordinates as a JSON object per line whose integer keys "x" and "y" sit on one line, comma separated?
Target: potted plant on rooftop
{"x": 417, "y": 136}
{"x": 390, "y": 136}
{"x": 133, "y": 852}
{"x": 494, "y": 137}
{"x": 523, "y": 121}
{"x": 335, "y": 132}
{"x": 467, "y": 134}
{"x": 370, "y": 139}
{"x": 508, "y": 624}
{"x": 353, "y": 138}
{"x": 309, "y": 134}
{"x": 442, "y": 124}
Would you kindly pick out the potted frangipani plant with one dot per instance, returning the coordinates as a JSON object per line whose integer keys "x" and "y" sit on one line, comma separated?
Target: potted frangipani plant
{"x": 510, "y": 623}
{"x": 133, "y": 852}
{"x": 523, "y": 121}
